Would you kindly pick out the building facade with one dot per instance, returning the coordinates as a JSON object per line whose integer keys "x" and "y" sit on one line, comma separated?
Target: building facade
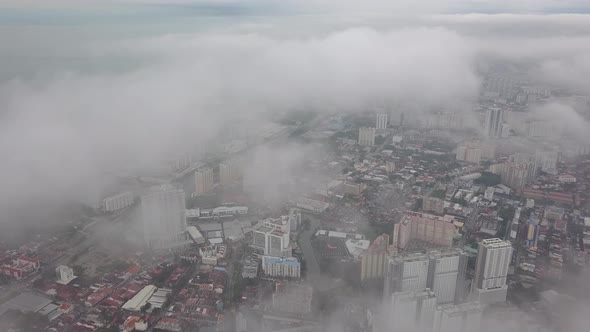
{"x": 203, "y": 180}
{"x": 381, "y": 121}
{"x": 271, "y": 237}
{"x": 228, "y": 172}
{"x": 491, "y": 271}
{"x": 366, "y": 136}
{"x": 288, "y": 267}
{"x": 493, "y": 122}
{"x": 118, "y": 202}
{"x": 465, "y": 317}
{"x": 163, "y": 216}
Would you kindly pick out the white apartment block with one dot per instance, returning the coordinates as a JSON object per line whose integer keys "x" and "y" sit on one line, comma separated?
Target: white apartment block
{"x": 118, "y": 202}
{"x": 367, "y": 136}
{"x": 491, "y": 271}
{"x": 381, "y": 121}
{"x": 281, "y": 267}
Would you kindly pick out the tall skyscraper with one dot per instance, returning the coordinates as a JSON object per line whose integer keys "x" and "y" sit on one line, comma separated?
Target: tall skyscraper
{"x": 381, "y": 121}
{"x": 228, "y": 172}
{"x": 464, "y": 317}
{"x": 547, "y": 160}
{"x": 406, "y": 273}
{"x": 446, "y": 275}
{"x": 163, "y": 216}
{"x": 443, "y": 272}
{"x": 366, "y": 136}
{"x": 491, "y": 271}
{"x": 493, "y": 123}
{"x": 203, "y": 180}
{"x": 271, "y": 237}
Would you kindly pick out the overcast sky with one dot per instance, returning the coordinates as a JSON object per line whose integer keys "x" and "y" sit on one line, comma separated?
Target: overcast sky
{"x": 87, "y": 87}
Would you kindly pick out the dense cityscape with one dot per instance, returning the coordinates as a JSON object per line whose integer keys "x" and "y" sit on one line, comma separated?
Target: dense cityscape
{"x": 203, "y": 167}
{"x": 425, "y": 224}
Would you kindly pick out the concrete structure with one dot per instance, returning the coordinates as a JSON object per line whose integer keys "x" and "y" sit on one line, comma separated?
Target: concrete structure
{"x": 491, "y": 271}
{"x": 228, "y": 172}
{"x": 425, "y": 227}
{"x": 441, "y": 271}
{"x": 31, "y": 302}
{"x": 381, "y": 121}
{"x": 464, "y": 317}
{"x": 406, "y": 273}
{"x": 366, "y": 136}
{"x": 493, "y": 122}
{"x": 271, "y": 237}
{"x": 140, "y": 299}
{"x": 514, "y": 175}
{"x": 195, "y": 235}
{"x": 64, "y": 274}
{"x": 294, "y": 219}
{"x": 446, "y": 275}
{"x": 374, "y": 259}
{"x": 203, "y": 180}
{"x": 163, "y": 216}
{"x": 468, "y": 154}
{"x": 281, "y": 267}
{"x": 433, "y": 204}
{"x": 117, "y": 202}
{"x": 547, "y": 161}
{"x": 292, "y": 298}
{"x": 409, "y": 311}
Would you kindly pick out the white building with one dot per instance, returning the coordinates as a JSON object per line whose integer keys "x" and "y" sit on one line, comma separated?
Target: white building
{"x": 203, "y": 180}
{"x": 228, "y": 172}
{"x": 195, "y": 235}
{"x": 491, "y": 271}
{"x": 406, "y": 273}
{"x": 410, "y": 311}
{"x": 464, "y": 317}
{"x": 470, "y": 155}
{"x": 163, "y": 216}
{"x": 118, "y": 201}
{"x": 271, "y": 237}
{"x": 64, "y": 274}
{"x": 489, "y": 193}
{"x": 547, "y": 161}
{"x": 381, "y": 122}
{"x": 366, "y": 136}
{"x": 493, "y": 122}
{"x": 281, "y": 267}
{"x": 446, "y": 275}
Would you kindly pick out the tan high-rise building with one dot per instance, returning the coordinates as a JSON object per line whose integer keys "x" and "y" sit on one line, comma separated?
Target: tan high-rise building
{"x": 228, "y": 172}
{"x": 203, "y": 180}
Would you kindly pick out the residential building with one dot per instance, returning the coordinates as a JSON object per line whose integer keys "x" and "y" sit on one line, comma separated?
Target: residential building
{"x": 390, "y": 167}
{"x": 228, "y": 172}
{"x": 381, "y": 121}
{"x": 374, "y": 259}
{"x": 437, "y": 230}
{"x": 203, "y": 180}
{"x": 292, "y": 298}
{"x": 294, "y": 219}
{"x": 446, "y": 275}
{"x": 281, "y": 267}
{"x": 64, "y": 274}
{"x": 366, "y": 136}
{"x": 443, "y": 272}
{"x": 20, "y": 267}
{"x": 468, "y": 154}
{"x": 433, "y": 204}
{"x": 491, "y": 271}
{"x": 547, "y": 161}
{"x": 465, "y": 317}
{"x": 117, "y": 202}
{"x": 445, "y": 120}
{"x": 493, "y": 122}
{"x": 410, "y": 311}
{"x": 163, "y": 216}
{"x": 406, "y": 273}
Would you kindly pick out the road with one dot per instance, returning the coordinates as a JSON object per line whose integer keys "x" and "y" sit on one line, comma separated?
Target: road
{"x": 313, "y": 275}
